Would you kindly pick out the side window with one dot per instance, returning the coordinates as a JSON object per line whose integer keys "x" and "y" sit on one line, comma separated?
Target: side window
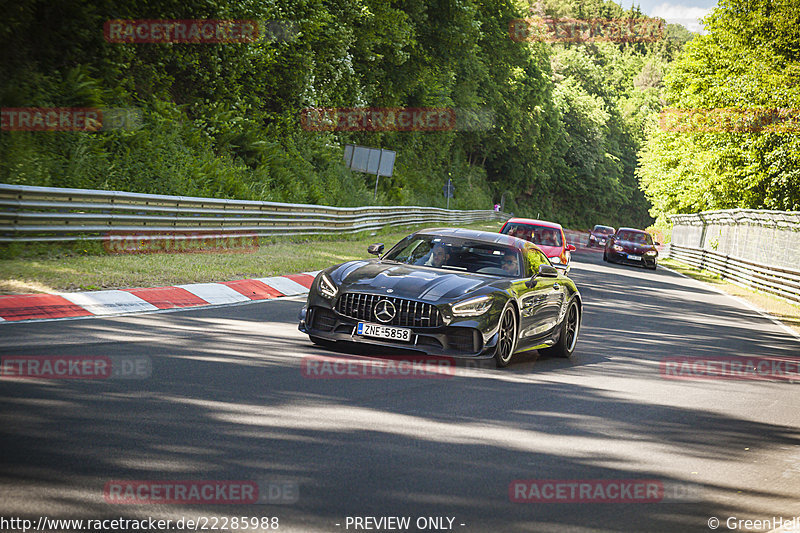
{"x": 419, "y": 254}
{"x": 543, "y": 258}
{"x": 411, "y": 252}
{"x": 535, "y": 258}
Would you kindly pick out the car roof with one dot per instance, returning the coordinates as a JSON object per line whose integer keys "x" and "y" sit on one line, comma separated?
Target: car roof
{"x": 633, "y": 230}
{"x": 544, "y": 223}
{"x": 603, "y": 226}
{"x": 487, "y": 237}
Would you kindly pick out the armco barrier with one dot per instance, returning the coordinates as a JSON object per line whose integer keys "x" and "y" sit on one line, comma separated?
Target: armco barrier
{"x": 53, "y": 214}
{"x": 752, "y": 248}
{"x": 778, "y": 281}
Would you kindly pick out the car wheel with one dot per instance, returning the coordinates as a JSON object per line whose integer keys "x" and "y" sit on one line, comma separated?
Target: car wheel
{"x": 507, "y": 337}
{"x": 605, "y": 257}
{"x": 653, "y": 266}
{"x": 569, "y": 334}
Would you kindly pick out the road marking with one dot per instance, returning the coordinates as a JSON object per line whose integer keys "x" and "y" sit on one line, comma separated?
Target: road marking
{"x": 286, "y": 286}
{"x": 253, "y": 289}
{"x": 108, "y": 302}
{"x": 168, "y": 297}
{"x": 215, "y": 293}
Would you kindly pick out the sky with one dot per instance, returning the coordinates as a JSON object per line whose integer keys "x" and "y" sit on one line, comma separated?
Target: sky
{"x": 686, "y": 13}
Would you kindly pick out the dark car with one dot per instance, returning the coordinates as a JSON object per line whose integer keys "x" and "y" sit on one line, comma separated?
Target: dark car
{"x": 631, "y": 246}
{"x": 448, "y": 292}
{"x": 599, "y": 235}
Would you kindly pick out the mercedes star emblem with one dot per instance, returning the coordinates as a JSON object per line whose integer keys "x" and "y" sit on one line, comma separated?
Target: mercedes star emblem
{"x": 385, "y": 311}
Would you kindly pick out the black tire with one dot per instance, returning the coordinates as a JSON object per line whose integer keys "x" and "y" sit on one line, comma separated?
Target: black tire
{"x": 605, "y": 256}
{"x": 507, "y": 340}
{"x": 568, "y": 337}
{"x": 653, "y": 267}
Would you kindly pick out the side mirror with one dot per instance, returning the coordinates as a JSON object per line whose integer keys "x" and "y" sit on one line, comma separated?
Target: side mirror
{"x": 545, "y": 271}
{"x": 375, "y": 249}
{"x": 571, "y": 248}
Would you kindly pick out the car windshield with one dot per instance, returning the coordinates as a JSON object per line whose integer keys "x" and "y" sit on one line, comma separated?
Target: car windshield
{"x": 635, "y": 237}
{"x": 541, "y": 235}
{"x": 603, "y": 229}
{"x": 450, "y": 254}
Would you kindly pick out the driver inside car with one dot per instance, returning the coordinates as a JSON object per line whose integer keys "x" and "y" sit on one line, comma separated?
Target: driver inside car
{"x": 549, "y": 238}
{"x": 510, "y": 264}
{"x": 438, "y": 256}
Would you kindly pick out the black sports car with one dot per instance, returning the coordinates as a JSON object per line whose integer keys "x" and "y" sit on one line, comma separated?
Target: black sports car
{"x": 599, "y": 235}
{"x": 632, "y": 246}
{"x": 451, "y": 292}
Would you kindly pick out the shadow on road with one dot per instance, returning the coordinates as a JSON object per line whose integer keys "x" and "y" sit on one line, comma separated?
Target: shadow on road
{"x": 227, "y": 400}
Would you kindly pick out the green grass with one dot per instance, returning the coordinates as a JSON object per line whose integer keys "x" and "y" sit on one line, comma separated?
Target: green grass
{"x": 781, "y": 309}
{"x": 86, "y": 266}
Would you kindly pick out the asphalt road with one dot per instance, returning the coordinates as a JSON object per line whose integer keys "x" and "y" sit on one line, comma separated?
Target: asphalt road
{"x": 227, "y": 400}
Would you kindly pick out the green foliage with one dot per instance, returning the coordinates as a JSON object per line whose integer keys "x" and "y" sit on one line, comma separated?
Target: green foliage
{"x": 223, "y": 119}
{"x": 748, "y": 60}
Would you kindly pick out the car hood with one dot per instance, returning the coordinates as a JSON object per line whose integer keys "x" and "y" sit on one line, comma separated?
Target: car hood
{"x": 551, "y": 251}
{"x": 635, "y": 248}
{"x": 408, "y": 281}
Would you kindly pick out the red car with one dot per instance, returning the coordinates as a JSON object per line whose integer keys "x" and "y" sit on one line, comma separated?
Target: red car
{"x": 548, "y": 236}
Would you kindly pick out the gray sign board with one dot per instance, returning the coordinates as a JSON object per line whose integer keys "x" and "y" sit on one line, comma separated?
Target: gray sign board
{"x": 370, "y": 160}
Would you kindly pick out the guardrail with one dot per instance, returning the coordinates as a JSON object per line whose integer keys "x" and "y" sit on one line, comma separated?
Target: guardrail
{"x": 758, "y": 249}
{"x": 52, "y": 214}
{"x": 781, "y": 282}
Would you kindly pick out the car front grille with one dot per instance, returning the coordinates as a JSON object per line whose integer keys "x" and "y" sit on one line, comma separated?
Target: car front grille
{"x": 464, "y": 340}
{"x": 322, "y": 319}
{"x": 408, "y": 313}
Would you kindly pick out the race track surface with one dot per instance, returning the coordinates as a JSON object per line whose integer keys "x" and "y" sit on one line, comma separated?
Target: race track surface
{"x": 225, "y": 397}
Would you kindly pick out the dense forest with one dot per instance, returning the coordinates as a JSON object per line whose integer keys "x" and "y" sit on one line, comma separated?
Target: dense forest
{"x": 568, "y": 119}
{"x": 742, "y": 80}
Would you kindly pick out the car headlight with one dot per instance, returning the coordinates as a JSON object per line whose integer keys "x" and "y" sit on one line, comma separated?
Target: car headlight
{"x": 651, "y": 252}
{"x": 618, "y": 248}
{"x": 326, "y": 287}
{"x": 555, "y": 260}
{"x": 473, "y": 307}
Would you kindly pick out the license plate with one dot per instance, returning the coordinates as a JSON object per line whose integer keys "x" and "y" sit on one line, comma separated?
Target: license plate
{"x": 634, "y": 257}
{"x": 383, "y": 332}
